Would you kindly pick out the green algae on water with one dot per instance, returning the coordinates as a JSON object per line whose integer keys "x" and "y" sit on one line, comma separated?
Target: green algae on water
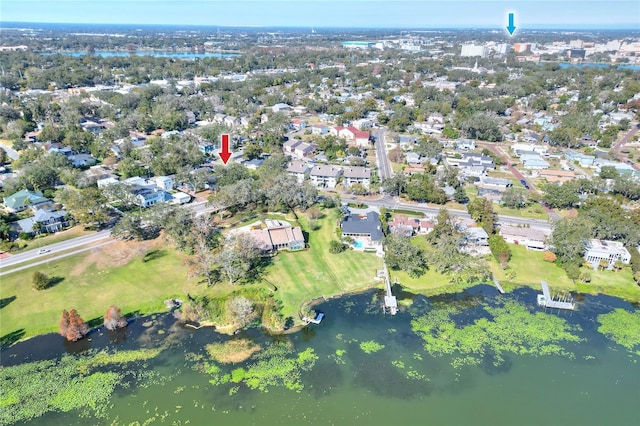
{"x": 510, "y": 329}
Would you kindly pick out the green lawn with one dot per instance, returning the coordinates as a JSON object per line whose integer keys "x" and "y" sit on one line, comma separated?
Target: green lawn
{"x": 612, "y": 283}
{"x": 529, "y": 269}
{"x": 304, "y": 275}
{"x": 137, "y": 286}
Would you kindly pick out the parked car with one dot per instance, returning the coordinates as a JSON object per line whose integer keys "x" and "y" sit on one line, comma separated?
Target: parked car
{"x": 524, "y": 182}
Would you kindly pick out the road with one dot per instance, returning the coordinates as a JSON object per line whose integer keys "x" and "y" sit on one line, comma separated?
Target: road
{"x": 11, "y": 153}
{"x": 62, "y": 249}
{"x": 384, "y": 166}
{"x": 54, "y": 248}
{"x": 393, "y": 203}
{"x": 88, "y": 242}
{"x": 514, "y": 171}
{"x": 626, "y": 139}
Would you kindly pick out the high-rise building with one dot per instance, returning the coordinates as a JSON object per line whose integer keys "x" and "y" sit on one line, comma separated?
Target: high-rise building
{"x": 474, "y": 50}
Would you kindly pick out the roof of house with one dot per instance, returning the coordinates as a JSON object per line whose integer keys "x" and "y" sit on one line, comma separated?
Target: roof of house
{"x": 528, "y": 233}
{"x": 357, "y": 172}
{"x": 400, "y": 220}
{"x": 297, "y": 167}
{"x": 325, "y": 171}
{"x": 358, "y": 224}
{"x": 24, "y": 198}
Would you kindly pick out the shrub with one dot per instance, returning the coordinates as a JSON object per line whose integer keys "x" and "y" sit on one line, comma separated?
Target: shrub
{"x": 549, "y": 256}
{"x": 314, "y": 213}
{"x": 40, "y": 281}
{"x": 336, "y": 247}
{"x": 314, "y": 225}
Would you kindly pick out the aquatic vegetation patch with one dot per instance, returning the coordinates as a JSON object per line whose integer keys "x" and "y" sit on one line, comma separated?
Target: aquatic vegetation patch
{"x": 232, "y": 351}
{"x": 622, "y": 327}
{"x": 32, "y": 389}
{"x": 338, "y": 356}
{"x": 511, "y": 329}
{"x": 277, "y": 365}
{"x": 371, "y": 346}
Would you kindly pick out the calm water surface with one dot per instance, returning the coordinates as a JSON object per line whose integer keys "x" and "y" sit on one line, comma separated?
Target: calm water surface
{"x": 601, "y": 386}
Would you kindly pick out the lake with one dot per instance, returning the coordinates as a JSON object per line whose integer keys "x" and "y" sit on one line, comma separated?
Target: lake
{"x": 155, "y": 53}
{"x": 565, "y": 65}
{"x": 374, "y": 369}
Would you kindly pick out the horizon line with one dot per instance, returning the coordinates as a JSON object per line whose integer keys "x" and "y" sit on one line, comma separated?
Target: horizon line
{"x": 533, "y": 27}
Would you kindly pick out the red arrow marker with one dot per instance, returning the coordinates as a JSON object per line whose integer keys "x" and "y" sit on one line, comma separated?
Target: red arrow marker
{"x": 225, "y": 154}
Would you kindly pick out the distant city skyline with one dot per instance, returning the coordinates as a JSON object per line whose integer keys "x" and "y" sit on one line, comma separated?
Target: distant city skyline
{"x": 529, "y": 14}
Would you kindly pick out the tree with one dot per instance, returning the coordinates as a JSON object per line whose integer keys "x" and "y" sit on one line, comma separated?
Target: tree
{"x": 72, "y": 326}
{"x": 237, "y": 258}
{"x": 129, "y": 227}
{"x": 113, "y": 318}
{"x": 568, "y": 239}
{"x": 205, "y": 238}
{"x": 284, "y": 189}
{"x": 241, "y": 311}
{"x": 481, "y": 210}
{"x": 514, "y": 198}
{"x": 482, "y": 126}
{"x": 400, "y": 254}
{"x": 63, "y": 327}
{"x": 428, "y": 146}
{"x": 396, "y": 184}
{"x": 500, "y": 250}
{"x": 230, "y": 174}
{"x": 87, "y": 206}
{"x": 40, "y": 281}
{"x": 460, "y": 196}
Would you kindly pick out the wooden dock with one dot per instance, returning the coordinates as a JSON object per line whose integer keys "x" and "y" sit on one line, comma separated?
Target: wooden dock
{"x": 390, "y": 301}
{"x": 545, "y": 299}
{"x": 497, "y": 284}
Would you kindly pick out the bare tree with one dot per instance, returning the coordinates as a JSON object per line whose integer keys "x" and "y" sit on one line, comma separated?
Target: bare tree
{"x": 241, "y": 310}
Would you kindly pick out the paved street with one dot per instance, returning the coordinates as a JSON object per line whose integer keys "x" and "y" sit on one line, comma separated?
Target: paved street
{"x": 384, "y": 166}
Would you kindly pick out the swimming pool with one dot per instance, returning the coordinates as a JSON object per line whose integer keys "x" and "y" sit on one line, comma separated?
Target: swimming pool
{"x": 358, "y": 244}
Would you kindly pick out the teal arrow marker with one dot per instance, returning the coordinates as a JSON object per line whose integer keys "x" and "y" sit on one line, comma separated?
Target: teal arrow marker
{"x": 511, "y": 28}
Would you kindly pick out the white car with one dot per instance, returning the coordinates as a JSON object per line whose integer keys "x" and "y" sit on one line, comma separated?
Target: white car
{"x": 43, "y": 251}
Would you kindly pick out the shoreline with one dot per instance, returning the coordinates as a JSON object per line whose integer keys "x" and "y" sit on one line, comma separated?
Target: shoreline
{"x": 299, "y": 324}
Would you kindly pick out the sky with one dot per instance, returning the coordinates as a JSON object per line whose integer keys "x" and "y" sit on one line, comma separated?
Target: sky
{"x": 562, "y": 14}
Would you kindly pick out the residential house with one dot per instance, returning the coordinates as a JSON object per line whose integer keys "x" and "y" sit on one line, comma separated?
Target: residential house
{"x": 352, "y": 135}
{"x": 44, "y": 221}
{"x": 533, "y": 162}
{"x": 494, "y": 183}
{"x": 147, "y": 196}
{"x": 465, "y": 144}
{"x": 299, "y": 169}
{"x": 281, "y": 107}
{"x": 278, "y": 235}
{"x": 402, "y": 225}
{"x": 520, "y": 148}
{"x": 325, "y": 176}
{"x": 582, "y": 159}
{"x": 355, "y": 174}
{"x": 231, "y": 121}
{"x": 22, "y": 199}
{"x": 82, "y": 160}
{"x": 491, "y": 194}
{"x": 319, "y": 129}
{"x": 253, "y": 164}
{"x": 365, "y": 229}
{"x": 299, "y": 149}
{"x": 207, "y": 148}
{"x": 531, "y": 238}
{"x": 476, "y": 238}
{"x": 557, "y": 175}
{"x": 609, "y": 251}
{"x": 470, "y": 159}
{"x": 164, "y": 182}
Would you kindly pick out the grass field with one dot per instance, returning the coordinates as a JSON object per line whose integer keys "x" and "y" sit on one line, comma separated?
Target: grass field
{"x": 305, "y": 275}
{"x": 90, "y": 287}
